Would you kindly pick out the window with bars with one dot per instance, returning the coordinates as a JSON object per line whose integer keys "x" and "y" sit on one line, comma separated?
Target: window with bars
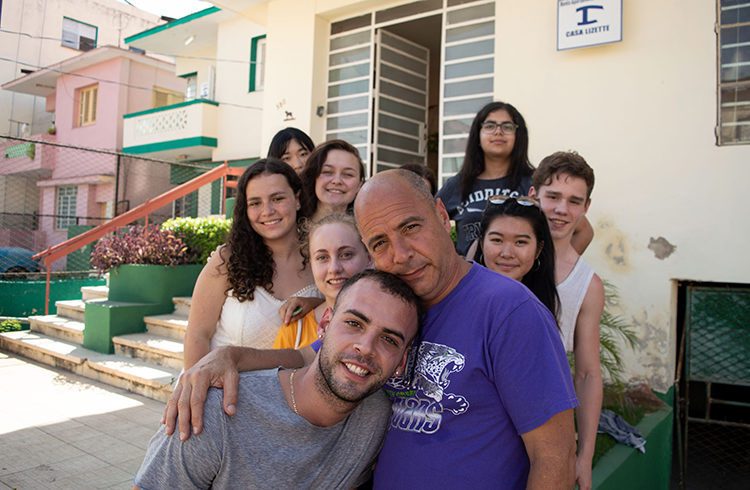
{"x": 78, "y": 35}
{"x": 734, "y": 72}
{"x": 87, "y": 105}
{"x": 66, "y": 207}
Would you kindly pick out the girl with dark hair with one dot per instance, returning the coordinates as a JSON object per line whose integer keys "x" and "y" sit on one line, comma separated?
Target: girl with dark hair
{"x": 238, "y": 294}
{"x": 292, "y": 146}
{"x": 515, "y": 241}
{"x": 331, "y": 178}
{"x": 496, "y": 162}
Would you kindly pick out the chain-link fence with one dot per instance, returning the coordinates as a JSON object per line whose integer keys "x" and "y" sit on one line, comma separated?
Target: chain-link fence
{"x": 714, "y": 402}
{"x": 50, "y": 192}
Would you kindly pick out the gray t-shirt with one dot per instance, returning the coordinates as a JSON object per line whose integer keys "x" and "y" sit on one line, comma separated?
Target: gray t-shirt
{"x": 266, "y": 445}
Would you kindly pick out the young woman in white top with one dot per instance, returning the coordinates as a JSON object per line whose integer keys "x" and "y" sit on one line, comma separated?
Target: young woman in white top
{"x": 238, "y": 294}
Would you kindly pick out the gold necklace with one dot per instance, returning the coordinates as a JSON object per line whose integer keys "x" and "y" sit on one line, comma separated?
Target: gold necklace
{"x": 291, "y": 389}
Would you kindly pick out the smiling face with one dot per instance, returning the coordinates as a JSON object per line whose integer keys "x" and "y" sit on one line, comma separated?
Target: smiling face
{"x": 510, "y": 246}
{"x": 365, "y": 341}
{"x": 336, "y": 254}
{"x": 408, "y": 235}
{"x": 563, "y": 201}
{"x": 497, "y": 144}
{"x": 339, "y": 179}
{"x": 295, "y": 155}
{"x": 271, "y": 206}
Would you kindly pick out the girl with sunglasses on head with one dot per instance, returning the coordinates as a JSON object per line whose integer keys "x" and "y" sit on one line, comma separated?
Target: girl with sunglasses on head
{"x": 240, "y": 295}
{"x": 292, "y": 146}
{"x": 335, "y": 252}
{"x": 331, "y": 178}
{"x": 496, "y": 162}
{"x": 515, "y": 241}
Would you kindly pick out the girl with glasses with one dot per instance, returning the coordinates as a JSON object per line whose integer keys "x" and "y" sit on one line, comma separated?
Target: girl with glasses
{"x": 496, "y": 162}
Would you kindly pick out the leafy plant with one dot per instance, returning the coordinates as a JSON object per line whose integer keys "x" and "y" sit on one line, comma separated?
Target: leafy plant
{"x": 200, "y": 235}
{"x": 611, "y": 329}
{"x": 10, "y": 325}
{"x": 138, "y": 245}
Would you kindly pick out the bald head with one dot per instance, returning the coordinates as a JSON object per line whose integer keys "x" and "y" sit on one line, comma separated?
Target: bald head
{"x": 404, "y": 181}
{"x": 406, "y": 231}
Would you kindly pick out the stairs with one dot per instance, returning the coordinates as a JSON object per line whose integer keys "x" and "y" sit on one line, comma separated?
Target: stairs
{"x": 147, "y": 363}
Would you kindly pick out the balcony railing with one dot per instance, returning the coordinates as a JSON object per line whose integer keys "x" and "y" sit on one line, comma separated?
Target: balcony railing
{"x": 184, "y": 131}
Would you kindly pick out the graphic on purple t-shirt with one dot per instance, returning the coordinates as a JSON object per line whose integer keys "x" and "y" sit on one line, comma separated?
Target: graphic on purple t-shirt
{"x": 490, "y": 367}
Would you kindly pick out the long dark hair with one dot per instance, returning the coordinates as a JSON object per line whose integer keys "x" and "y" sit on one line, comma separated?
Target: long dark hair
{"x": 473, "y": 165}
{"x": 314, "y": 166}
{"x": 250, "y": 262}
{"x": 541, "y": 278}
{"x": 281, "y": 140}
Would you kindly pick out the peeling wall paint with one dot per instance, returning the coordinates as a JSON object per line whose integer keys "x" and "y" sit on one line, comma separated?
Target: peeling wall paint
{"x": 654, "y": 356}
{"x": 661, "y": 247}
{"x": 614, "y": 245}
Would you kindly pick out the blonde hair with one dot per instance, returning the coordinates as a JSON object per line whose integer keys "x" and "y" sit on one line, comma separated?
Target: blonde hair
{"x": 309, "y": 227}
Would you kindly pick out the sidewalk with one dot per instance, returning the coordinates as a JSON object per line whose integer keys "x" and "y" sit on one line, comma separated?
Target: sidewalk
{"x": 59, "y": 430}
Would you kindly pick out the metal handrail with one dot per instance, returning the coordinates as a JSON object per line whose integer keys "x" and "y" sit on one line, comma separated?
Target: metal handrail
{"x": 77, "y": 242}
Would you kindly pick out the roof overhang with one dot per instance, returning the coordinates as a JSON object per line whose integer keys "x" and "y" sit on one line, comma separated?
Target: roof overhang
{"x": 188, "y": 34}
{"x": 43, "y": 82}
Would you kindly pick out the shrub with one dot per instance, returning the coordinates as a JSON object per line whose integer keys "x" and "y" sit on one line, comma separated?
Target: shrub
{"x": 138, "y": 245}
{"x": 10, "y": 325}
{"x": 200, "y": 235}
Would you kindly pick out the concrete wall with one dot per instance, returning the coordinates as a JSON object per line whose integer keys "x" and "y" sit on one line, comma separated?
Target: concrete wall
{"x": 115, "y": 21}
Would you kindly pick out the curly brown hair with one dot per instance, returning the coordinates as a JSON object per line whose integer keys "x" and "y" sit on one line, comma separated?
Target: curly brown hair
{"x": 250, "y": 262}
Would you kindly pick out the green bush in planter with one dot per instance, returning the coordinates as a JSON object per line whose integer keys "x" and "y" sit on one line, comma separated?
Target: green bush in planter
{"x": 200, "y": 235}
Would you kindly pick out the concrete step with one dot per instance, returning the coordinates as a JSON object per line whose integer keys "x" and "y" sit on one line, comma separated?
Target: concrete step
{"x": 58, "y": 327}
{"x": 182, "y": 305}
{"x": 73, "y": 309}
{"x": 170, "y": 325}
{"x": 132, "y": 374}
{"x": 94, "y": 292}
{"x": 154, "y": 349}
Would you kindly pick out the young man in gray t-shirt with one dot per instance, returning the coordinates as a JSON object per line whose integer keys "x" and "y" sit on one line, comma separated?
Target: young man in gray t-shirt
{"x": 317, "y": 427}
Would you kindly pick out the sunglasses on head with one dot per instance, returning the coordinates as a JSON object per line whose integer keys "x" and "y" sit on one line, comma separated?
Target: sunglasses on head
{"x": 521, "y": 200}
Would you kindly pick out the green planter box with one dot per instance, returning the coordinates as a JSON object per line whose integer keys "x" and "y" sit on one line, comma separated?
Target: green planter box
{"x": 152, "y": 283}
{"x": 135, "y": 291}
{"x": 625, "y": 467}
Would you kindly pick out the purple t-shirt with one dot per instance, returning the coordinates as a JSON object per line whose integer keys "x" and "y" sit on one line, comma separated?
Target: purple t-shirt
{"x": 491, "y": 367}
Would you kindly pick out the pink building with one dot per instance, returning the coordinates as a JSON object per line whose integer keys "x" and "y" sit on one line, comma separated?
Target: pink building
{"x": 88, "y": 95}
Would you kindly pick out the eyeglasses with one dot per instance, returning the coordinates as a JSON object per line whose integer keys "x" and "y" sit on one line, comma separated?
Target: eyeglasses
{"x": 490, "y": 127}
{"x": 521, "y": 200}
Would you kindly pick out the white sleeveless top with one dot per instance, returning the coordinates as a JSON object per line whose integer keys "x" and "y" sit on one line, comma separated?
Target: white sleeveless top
{"x": 253, "y": 323}
{"x": 571, "y": 292}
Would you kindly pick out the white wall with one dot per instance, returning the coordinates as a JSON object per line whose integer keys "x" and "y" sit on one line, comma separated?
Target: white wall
{"x": 642, "y": 112}
{"x": 239, "y": 123}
